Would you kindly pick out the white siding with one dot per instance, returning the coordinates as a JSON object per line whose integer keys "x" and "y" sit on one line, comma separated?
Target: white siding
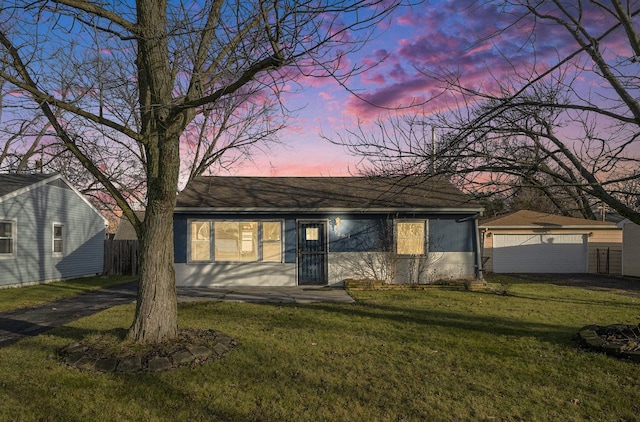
{"x": 35, "y": 211}
{"x": 437, "y": 266}
{"x": 540, "y": 253}
{"x": 222, "y": 274}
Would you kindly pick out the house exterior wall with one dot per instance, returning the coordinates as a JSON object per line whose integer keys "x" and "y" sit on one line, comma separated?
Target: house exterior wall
{"x": 599, "y": 241}
{"x": 34, "y": 213}
{"x": 353, "y": 241}
{"x": 437, "y": 266}
{"x": 631, "y": 250}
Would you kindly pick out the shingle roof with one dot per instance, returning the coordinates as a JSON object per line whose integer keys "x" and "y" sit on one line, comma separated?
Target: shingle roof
{"x": 125, "y": 230}
{"x": 322, "y": 193}
{"x": 12, "y": 182}
{"x": 535, "y": 219}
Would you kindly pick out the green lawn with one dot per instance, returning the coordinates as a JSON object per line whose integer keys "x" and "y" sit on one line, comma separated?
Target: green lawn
{"x": 394, "y": 356}
{"x": 21, "y": 297}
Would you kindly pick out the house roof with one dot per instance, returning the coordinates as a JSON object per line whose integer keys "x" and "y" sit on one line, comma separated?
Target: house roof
{"x": 222, "y": 193}
{"x": 525, "y": 219}
{"x": 125, "y": 230}
{"x": 10, "y": 183}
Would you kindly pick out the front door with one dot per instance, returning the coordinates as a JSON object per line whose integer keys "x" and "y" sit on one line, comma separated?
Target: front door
{"x": 312, "y": 253}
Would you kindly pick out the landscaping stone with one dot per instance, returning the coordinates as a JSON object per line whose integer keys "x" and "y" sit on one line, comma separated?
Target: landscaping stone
{"x": 158, "y": 364}
{"x": 182, "y": 357}
{"x": 200, "y": 351}
{"x": 130, "y": 365}
{"x": 220, "y": 349}
{"x": 106, "y": 365}
{"x": 86, "y": 362}
{"x": 73, "y": 358}
{"x": 192, "y": 347}
{"x": 618, "y": 340}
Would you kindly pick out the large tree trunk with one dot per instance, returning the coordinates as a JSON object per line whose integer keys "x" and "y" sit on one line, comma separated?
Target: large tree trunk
{"x": 156, "y": 317}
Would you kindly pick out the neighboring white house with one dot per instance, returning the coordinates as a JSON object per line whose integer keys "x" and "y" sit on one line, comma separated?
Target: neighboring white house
{"x": 630, "y": 248}
{"x": 48, "y": 231}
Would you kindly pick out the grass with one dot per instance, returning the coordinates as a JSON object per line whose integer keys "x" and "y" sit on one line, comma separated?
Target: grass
{"x": 395, "y": 355}
{"x": 22, "y": 297}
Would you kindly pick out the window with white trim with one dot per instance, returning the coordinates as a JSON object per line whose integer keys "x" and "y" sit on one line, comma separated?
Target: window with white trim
{"x": 58, "y": 239}
{"x": 242, "y": 241}
{"x": 411, "y": 237}
{"x": 7, "y": 238}
{"x": 200, "y": 241}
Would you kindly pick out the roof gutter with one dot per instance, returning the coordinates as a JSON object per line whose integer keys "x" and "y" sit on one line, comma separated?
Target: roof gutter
{"x": 550, "y": 227}
{"x": 217, "y": 210}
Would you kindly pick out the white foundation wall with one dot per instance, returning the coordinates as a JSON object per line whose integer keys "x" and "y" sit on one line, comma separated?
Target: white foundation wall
{"x": 437, "y": 266}
{"x": 228, "y": 274}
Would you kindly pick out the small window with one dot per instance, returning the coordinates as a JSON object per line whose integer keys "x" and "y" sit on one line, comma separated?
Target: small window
{"x": 58, "y": 239}
{"x": 7, "y": 238}
{"x": 200, "y": 241}
{"x": 410, "y": 239}
{"x": 272, "y": 241}
{"x": 312, "y": 233}
{"x": 235, "y": 241}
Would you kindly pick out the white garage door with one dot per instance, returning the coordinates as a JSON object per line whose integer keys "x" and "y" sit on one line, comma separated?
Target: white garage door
{"x": 540, "y": 253}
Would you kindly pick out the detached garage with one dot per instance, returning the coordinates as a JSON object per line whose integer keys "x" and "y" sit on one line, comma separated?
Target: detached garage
{"x": 535, "y": 242}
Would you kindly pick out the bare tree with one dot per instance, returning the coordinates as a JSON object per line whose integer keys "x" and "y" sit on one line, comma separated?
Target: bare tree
{"x": 232, "y": 132}
{"x": 540, "y": 127}
{"x": 174, "y": 60}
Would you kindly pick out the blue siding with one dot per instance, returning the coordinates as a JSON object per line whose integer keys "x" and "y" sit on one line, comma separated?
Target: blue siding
{"x": 359, "y": 235}
{"x": 347, "y": 233}
{"x": 449, "y": 235}
{"x": 290, "y": 241}
{"x": 34, "y": 213}
{"x": 180, "y": 238}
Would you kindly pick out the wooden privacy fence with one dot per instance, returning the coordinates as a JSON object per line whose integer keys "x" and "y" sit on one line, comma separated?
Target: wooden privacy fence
{"x": 121, "y": 257}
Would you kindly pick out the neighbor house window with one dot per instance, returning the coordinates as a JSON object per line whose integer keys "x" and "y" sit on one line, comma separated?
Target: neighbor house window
{"x": 7, "y": 238}
{"x": 58, "y": 239}
{"x": 272, "y": 241}
{"x": 410, "y": 237}
{"x": 200, "y": 241}
{"x": 235, "y": 240}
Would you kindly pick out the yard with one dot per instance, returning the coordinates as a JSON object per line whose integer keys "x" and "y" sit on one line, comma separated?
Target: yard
{"x": 395, "y": 355}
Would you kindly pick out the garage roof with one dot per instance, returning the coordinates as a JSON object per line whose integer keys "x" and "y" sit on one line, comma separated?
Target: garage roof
{"x": 525, "y": 219}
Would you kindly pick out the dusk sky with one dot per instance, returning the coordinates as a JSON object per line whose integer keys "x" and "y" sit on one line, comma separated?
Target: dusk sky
{"x": 432, "y": 35}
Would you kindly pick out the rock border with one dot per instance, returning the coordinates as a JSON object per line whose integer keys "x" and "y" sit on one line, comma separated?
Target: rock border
{"x": 588, "y": 337}
{"x": 210, "y": 346}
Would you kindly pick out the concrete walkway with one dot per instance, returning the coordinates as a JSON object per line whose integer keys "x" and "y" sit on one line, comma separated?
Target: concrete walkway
{"x": 27, "y": 322}
{"x": 297, "y": 294}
